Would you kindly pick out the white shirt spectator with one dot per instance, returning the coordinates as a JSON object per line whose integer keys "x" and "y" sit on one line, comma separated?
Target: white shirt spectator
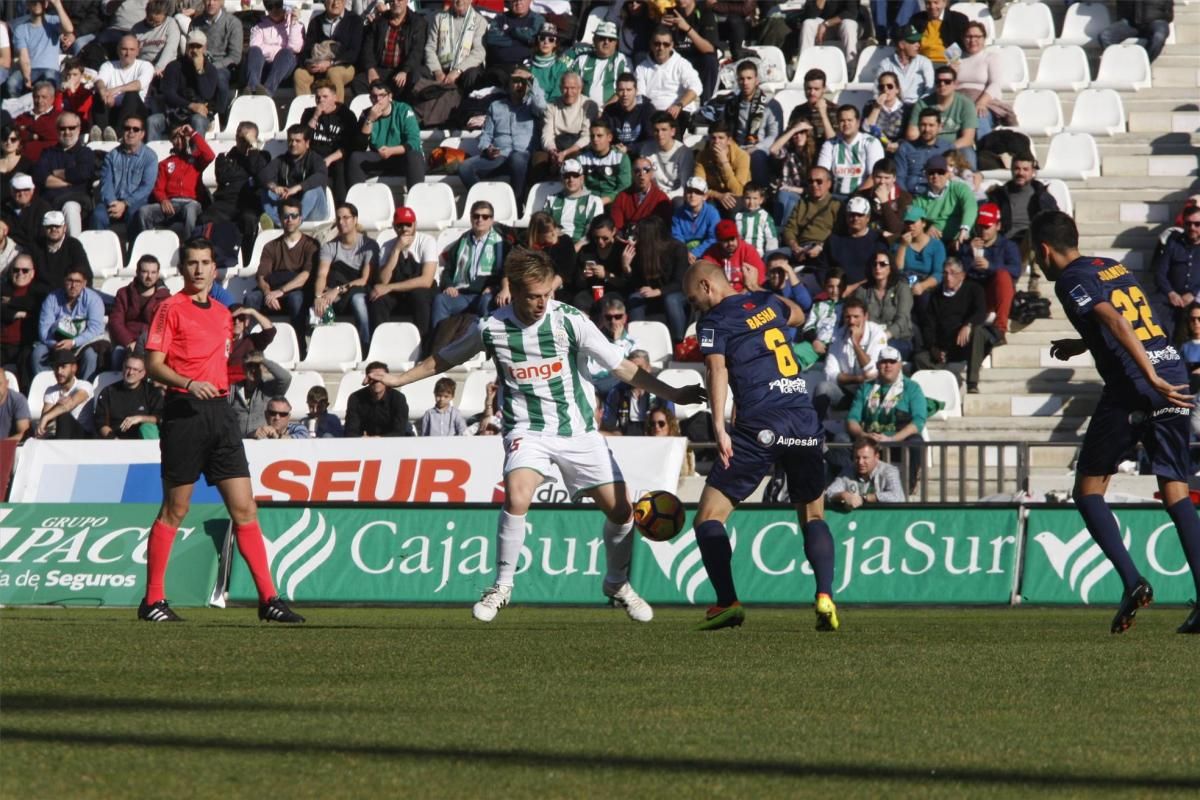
{"x": 113, "y": 74}
{"x": 664, "y": 84}
{"x": 83, "y": 413}
{"x": 672, "y": 169}
{"x": 841, "y": 359}
{"x": 916, "y": 79}
{"x": 423, "y": 249}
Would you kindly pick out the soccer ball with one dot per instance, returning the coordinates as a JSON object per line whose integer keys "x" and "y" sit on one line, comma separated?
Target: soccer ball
{"x": 658, "y": 515}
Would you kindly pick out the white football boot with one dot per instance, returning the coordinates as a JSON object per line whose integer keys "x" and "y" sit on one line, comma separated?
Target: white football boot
{"x": 623, "y": 596}
{"x": 494, "y": 598}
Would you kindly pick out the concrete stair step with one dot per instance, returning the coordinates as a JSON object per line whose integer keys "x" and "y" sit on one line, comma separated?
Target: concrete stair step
{"x": 1034, "y": 355}
{"x": 1178, "y": 165}
{"x": 1152, "y": 142}
{"x": 1174, "y": 121}
{"x": 1045, "y": 458}
{"x": 1007, "y": 428}
{"x": 1176, "y": 75}
{"x": 1165, "y": 183}
{"x": 1043, "y": 329}
{"x": 1029, "y": 405}
{"x": 1096, "y": 208}
{"x": 1036, "y": 376}
{"x": 989, "y": 387}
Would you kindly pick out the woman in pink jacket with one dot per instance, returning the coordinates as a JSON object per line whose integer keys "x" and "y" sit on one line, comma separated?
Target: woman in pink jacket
{"x": 275, "y": 41}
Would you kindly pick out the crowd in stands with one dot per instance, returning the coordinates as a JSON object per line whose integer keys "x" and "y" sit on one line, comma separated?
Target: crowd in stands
{"x": 666, "y": 145}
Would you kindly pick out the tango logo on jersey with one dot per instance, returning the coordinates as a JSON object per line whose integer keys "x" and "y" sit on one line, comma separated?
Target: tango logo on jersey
{"x": 535, "y": 371}
{"x": 299, "y": 551}
{"x": 1080, "y": 296}
{"x": 1079, "y": 560}
{"x": 681, "y": 563}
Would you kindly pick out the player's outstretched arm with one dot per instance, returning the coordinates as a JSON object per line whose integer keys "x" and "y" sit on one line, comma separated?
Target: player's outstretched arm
{"x": 1122, "y": 331}
{"x": 636, "y": 376}
{"x": 796, "y": 314}
{"x": 434, "y": 365}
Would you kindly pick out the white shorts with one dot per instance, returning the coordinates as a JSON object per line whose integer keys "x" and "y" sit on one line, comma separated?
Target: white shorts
{"x": 584, "y": 461}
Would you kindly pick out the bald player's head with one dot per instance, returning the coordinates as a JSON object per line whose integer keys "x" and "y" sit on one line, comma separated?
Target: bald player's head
{"x": 705, "y": 285}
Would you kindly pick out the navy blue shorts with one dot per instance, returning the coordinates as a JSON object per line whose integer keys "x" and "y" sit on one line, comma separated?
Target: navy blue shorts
{"x": 1116, "y": 427}
{"x": 796, "y": 443}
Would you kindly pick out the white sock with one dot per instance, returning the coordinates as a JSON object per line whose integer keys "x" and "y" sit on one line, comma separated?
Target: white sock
{"x": 618, "y": 549}
{"x": 510, "y": 536}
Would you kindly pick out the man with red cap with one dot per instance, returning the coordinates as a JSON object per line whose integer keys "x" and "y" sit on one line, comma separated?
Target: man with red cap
{"x": 406, "y": 276}
{"x": 744, "y": 267}
{"x": 995, "y": 262}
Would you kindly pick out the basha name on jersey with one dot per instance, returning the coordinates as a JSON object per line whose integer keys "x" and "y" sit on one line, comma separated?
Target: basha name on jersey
{"x": 761, "y": 318}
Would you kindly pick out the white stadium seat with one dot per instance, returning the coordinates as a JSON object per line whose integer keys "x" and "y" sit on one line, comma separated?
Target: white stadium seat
{"x": 375, "y": 205}
{"x": 104, "y": 380}
{"x": 536, "y": 199}
{"x": 1099, "y": 112}
{"x": 359, "y": 104}
{"x": 1061, "y": 194}
{"x": 163, "y": 245}
{"x": 1039, "y": 112}
{"x": 420, "y": 396}
{"x": 12, "y": 380}
{"x": 174, "y": 283}
{"x": 297, "y": 393}
{"x": 160, "y": 149}
{"x": 772, "y": 67}
{"x": 942, "y": 385}
{"x": 300, "y": 104}
{"x": 472, "y": 394}
{"x": 787, "y": 99}
{"x": 869, "y": 59}
{"x": 397, "y": 344}
{"x": 260, "y": 241}
{"x": 1083, "y": 23}
{"x": 684, "y": 377}
{"x": 1014, "y": 67}
{"x": 115, "y": 284}
{"x": 284, "y": 349}
{"x": 238, "y": 285}
{"x": 333, "y": 348}
{"x": 350, "y": 383}
{"x": 1063, "y": 67}
{"x": 1124, "y": 67}
{"x": 594, "y": 18}
{"x": 1072, "y": 157}
{"x": 104, "y": 252}
{"x": 654, "y": 338}
{"x": 979, "y": 12}
{"x": 500, "y": 195}
{"x": 1027, "y": 25}
{"x": 829, "y": 59}
{"x": 37, "y": 392}
{"x": 252, "y": 108}
{"x": 219, "y": 146}
{"x": 433, "y": 204}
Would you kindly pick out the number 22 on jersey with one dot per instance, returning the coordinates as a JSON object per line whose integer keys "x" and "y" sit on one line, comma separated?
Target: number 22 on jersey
{"x": 785, "y": 359}
{"x": 1136, "y": 310}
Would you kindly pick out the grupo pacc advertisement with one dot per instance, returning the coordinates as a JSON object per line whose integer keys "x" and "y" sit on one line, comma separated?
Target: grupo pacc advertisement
{"x": 95, "y": 555}
{"x": 447, "y": 469}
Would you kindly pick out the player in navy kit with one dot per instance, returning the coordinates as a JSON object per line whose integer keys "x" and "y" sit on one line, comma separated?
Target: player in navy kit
{"x": 1143, "y": 400}
{"x": 747, "y": 350}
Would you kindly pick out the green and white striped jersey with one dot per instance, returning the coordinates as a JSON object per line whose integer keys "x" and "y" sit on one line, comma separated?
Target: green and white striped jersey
{"x": 574, "y": 214}
{"x": 542, "y": 367}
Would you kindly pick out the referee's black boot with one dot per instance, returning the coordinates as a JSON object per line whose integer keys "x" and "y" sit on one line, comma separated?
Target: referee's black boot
{"x": 157, "y": 612}
{"x": 275, "y": 610}
{"x": 1192, "y": 623}
{"x": 1138, "y": 597}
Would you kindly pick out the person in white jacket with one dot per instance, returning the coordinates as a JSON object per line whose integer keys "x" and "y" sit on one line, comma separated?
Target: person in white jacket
{"x": 667, "y": 80}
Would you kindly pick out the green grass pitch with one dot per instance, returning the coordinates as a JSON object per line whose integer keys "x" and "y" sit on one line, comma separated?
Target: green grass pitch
{"x": 583, "y": 703}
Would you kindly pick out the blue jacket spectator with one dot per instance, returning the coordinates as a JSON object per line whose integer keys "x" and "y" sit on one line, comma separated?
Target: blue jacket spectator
{"x": 72, "y": 314}
{"x": 1177, "y": 263}
{"x": 1001, "y": 254}
{"x": 509, "y": 39}
{"x": 510, "y": 135}
{"x": 910, "y": 163}
{"x": 695, "y": 225}
{"x": 128, "y": 176}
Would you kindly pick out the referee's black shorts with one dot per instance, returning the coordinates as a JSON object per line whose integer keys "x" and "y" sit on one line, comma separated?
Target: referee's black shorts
{"x": 200, "y": 436}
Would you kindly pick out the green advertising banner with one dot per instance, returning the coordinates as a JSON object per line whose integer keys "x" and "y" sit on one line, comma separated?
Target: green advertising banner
{"x": 910, "y": 555}
{"x": 893, "y": 555}
{"x": 424, "y": 555}
{"x": 1063, "y": 564}
{"x": 95, "y": 554}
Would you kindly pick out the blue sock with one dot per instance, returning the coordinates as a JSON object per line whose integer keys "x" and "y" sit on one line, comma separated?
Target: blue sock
{"x": 818, "y": 549}
{"x": 1103, "y": 527}
{"x": 718, "y": 557}
{"x": 1187, "y": 525}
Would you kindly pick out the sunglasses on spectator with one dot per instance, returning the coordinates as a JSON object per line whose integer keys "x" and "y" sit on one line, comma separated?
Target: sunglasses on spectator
{"x": 290, "y": 215}
{"x": 274, "y": 414}
{"x": 68, "y": 127}
{"x": 481, "y": 216}
{"x": 614, "y": 316}
{"x": 882, "y": 263}
{"x": 661, "y": 44}
{"x": 660, "y": 423}
{"x": 572, "y": 174}
{"x": 945, "y": 81}
{"x": 132, "y": 129}
{"x": 1190, "y": 319}
{"x": 12, "y": 137}
{"x": 1191, "y": 223}
{"x": 28, "y": 270}
{"x": 547, "y": 37}
{"x": 643, "y": 169}
{"x": 885, "y": 86}
{"x": 817, "y": 180}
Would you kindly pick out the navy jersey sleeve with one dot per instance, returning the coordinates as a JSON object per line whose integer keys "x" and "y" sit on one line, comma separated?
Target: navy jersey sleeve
{"x": 1080, "y": 293}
